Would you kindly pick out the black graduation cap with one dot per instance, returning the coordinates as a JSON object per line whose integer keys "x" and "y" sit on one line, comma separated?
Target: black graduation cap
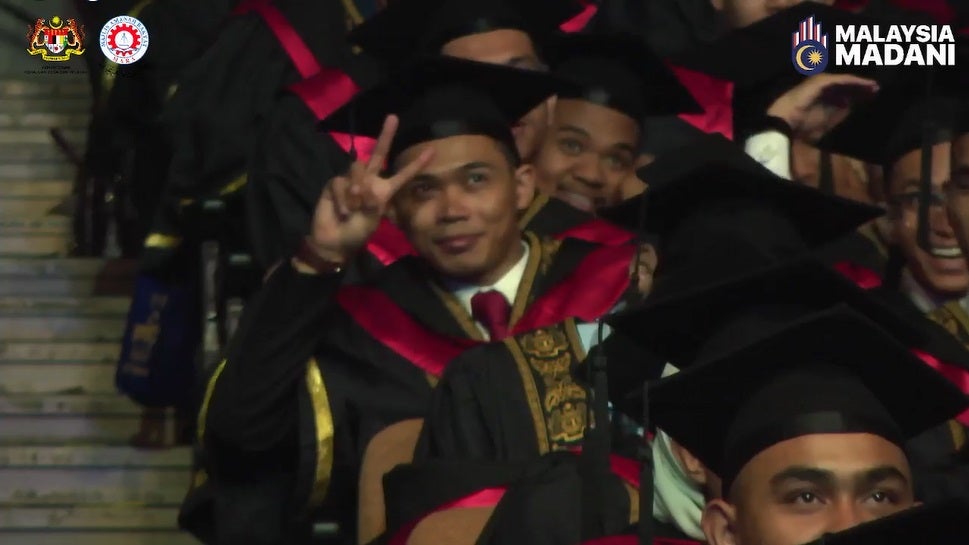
{"x": 711, "y": 190}
{"x": 443, "y": 96}
{"x": 760, "y": 53}
{"x": 619, "y": 71}
{"x": 914, "y": 112}
{"x": 684, "y": 309}
{"x": 937, "y": 523}
{"x": 893, "y": 122}
{"x": 409, "y": 27}
{"x": 832, "y": 371}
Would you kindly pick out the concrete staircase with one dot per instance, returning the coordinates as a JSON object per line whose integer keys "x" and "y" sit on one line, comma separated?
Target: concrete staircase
{"x": 67, "y": 475}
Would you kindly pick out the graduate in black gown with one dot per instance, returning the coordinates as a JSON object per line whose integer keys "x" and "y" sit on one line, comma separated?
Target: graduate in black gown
{"x": 318, "y": 367}
{"x": 805, "y": 417}
{"x": 593, "y": 146}
{"x": 779, "y": 114}
{"x": 902, "y": 126}
{"x": 491, "y": 30}
{"x": 213, "y": 116}
{"x": 937, "y": 453}
{"x": 292, "y": 160}
{"x": 496, "y": 402}
{"x": 723, "y": 215}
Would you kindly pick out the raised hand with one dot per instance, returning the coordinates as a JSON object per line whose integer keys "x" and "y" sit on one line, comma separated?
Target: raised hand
{"x": 350, "y": 208}
{"x": 819, "y": 103}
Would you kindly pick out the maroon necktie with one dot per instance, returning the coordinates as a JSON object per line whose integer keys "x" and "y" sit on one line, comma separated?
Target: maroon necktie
{"x": 491, "y": 309}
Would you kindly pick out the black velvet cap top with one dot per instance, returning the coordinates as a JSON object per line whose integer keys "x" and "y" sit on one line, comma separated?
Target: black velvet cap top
{"x": 829, "y": 372}
{"x": 442, "y": 96}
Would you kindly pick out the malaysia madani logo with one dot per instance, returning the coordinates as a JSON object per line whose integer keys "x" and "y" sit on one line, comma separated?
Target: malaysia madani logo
{"x": 809, "y": 48}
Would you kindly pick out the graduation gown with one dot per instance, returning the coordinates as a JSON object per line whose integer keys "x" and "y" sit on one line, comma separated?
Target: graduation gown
{"x": 939, "y": 463}
{"x": 364, "y": 357}
{"x": 523, "y": 403}
{"x": 213, "y": 117}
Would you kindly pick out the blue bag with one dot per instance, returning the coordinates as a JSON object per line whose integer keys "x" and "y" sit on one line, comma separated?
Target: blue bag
{"x": 161, "y": 339}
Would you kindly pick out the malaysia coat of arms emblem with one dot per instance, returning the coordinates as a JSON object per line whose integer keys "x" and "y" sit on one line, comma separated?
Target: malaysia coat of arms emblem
{"x": 56, "y": 40}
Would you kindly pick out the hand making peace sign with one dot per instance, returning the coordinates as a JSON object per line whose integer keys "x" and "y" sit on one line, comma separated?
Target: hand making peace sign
{"x": 351, "y": 206}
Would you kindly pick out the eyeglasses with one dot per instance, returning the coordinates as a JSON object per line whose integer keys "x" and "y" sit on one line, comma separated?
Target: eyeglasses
{"x": 911, "y": 200}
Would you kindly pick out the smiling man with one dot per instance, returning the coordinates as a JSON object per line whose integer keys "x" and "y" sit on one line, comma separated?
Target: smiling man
{"x": 891, "y": 131}
{"x": 591, "y": 152}
{"x": 319, "y": 367}
{"x": 805, "y": 422}
{"x": 492, "y": 31}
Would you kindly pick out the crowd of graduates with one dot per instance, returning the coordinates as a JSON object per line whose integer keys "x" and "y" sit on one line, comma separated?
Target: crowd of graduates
{"x": 549, "y": 271}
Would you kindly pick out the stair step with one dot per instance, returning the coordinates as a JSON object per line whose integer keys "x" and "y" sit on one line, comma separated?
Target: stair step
{"x": 43, "y": 352}
{"x": 67, "y": 429}
{"x": 66, "y": 405}
{"x": 64, "y": 306}
{"x": 16, "y": 106}
{"x": 39, "y": 246}
{"x": 93, "y": 456}
{"x": 66, "y": 277}
{"x": 28, "y": 153}
{"x": 68, "y": 267}
{"x": 28, "y": 207}
{"x": 65, "y": 120}
{"x": 77, "y": 286}
{"x": 36, "y": 188}
{"x": 34, "y": 135}
{"x": 39, "y": 226}
{"x": 87, "y": 518}
{"x": 62, "y": 327}
{"x": 73, "y": 88}
{"x": 44, "y": 378}
{"x": 53, "y": 537}
{"x": 93, "y": 486}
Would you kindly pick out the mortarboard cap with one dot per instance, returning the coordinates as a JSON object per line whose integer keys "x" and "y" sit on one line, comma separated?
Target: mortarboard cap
{"x": 912, "y": 113}
{"x": 685, "y": 309}
{"x": 893, "y": 122}
{"x": 409, "y": 27}
{"x": 621, "y": 72}
{"x": 937, "y": 523}
{"x": 441, "y": 97}
{"x": 712, "y": 189}
{"x": 827, "y": 372}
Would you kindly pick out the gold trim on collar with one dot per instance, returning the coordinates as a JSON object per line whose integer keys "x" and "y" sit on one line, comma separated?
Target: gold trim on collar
{"x": 323, "y": 421}
{"x": 533, "y": 209}
{"x": 458, "y": 312}
{"x": 527, "y": 282}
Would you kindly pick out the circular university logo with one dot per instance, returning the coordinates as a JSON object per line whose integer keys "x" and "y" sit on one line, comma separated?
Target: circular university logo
{"x": 124, "y": 40}
{"x": 810, "y": 57}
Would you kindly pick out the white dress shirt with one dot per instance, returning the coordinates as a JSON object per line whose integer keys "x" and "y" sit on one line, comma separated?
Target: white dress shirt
{"x": 508, "y": 286}
{"x": 773, "y": 150}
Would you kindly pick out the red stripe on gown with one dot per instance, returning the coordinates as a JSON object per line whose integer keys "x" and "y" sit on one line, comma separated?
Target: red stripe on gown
{"x": 602, "y": 277}
{"x": 579, "y": 22}
{"x": 867, "y": 279}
